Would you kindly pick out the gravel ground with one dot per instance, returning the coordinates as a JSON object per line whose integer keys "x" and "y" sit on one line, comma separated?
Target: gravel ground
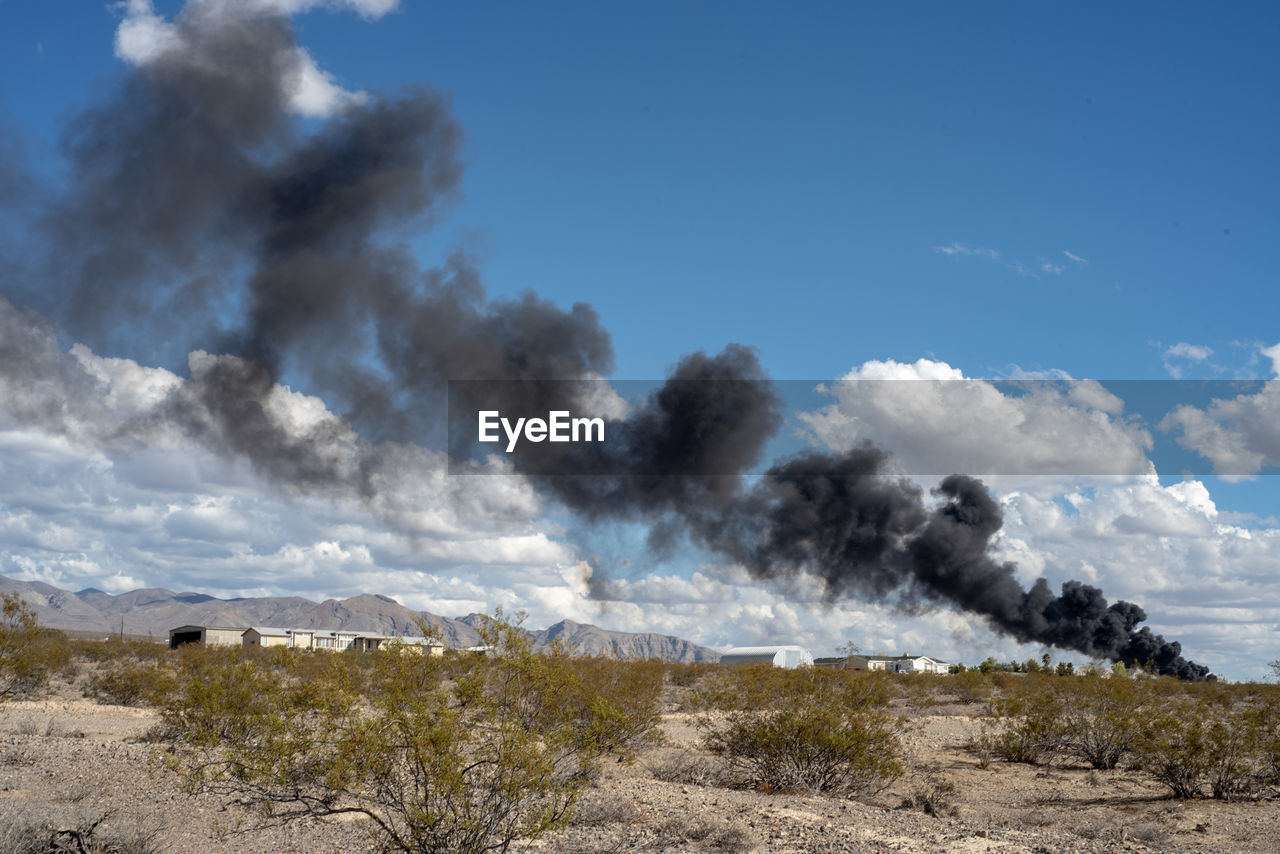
{"x": 67, "y": 759}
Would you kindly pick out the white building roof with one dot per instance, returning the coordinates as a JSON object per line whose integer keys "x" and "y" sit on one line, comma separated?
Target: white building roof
{"x": 788, "y": 655}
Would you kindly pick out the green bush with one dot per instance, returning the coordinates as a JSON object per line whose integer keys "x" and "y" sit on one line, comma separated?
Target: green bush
{"x": 810, "y": 729}
{"x": 113, "y": 649}
{"x": 1101, "y": 719}
{"x": 762, "y": 686}
{"x": 128, "y": 682}
{"x": 922, "y": 690}
{"x": 1027, "y": 722}
{"x": 933, "y": 796}
{"x": 440, "y": 755}
{"x": 29, "y": 833}
{"x": 687, "y": 674}
{"x": 29, "y": 654}
{"x": 1215, "y": 740}
{"x": 970, "y": 686}
{"x": 1172, "y": 748}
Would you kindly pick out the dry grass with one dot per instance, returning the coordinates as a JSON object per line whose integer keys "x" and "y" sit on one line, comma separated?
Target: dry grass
{"x": 710, "y": 834}
{"x": 934, "y": 796}
{"x": 23, "y": 832}
{"x": 688, "y": 768}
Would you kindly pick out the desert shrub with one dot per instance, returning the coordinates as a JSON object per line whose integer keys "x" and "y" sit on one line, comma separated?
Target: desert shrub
{"x": 709, "y": 834}
{"x": 762, "y": 686}
{"x": 1267, "y": 714}
{"x": 1101, "y": 719}
{"x": 29, "y": 654}
{"x": 1026, "y": 723}
{"x": 688, "y": 674}
{"x": 810, "y": 729}
{"x": 129, "y": 682}
{"x": 604, "y": 810}
{"x": 933, "y": 796}
{"x": 620, "y": 698}
{"x": 1207, "y": 741}
{"x": 1171, "y": 748}
{"x": 25, "y": 834}
{"x": 1271, "y": 758}
{"x": 114, "y": 648}
{"x": 1233, "y": 752}
{"x": 1152, "y": 834}
{"x": 688, "y": 768}
{"x": 922, "y": 690}
{"x": 970, "y": 686}
{"x": 499, "y": 749}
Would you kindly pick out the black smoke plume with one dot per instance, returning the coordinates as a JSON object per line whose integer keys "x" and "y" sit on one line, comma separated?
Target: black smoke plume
{"x": 867, "y": 534}
{"x": 847, "y": 520}
{"x": 202, "y": 214}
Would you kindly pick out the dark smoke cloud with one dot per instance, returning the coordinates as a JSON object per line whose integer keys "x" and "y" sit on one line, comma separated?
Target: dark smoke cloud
{"x": 201, "y": 214}
{"x": 865, "y": 533}
{"x": 200, "y": 211}
{"x": 684, "y": 446}
{"x": 164, "y": 179}
{"x": 843, "y": 518}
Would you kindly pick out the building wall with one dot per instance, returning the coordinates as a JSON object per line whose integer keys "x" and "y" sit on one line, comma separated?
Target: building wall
{"x": 755, "y": 658}
{"x": 252, "y": 638}
{"x": 897, "y": 665}
{"x": 930, "y": 666}
{"x": 298, "y": 639}
{"x": 223, "y": 637}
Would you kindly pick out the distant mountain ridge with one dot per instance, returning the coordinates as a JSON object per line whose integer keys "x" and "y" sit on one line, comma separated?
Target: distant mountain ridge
{"x": 155, "y": 611}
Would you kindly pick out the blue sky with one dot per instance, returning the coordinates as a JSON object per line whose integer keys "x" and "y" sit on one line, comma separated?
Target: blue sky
{"x": 784, "y": 175}
{"x": 1000, "y": 189}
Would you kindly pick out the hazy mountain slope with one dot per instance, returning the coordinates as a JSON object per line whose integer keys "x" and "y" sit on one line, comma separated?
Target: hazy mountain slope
{"x": 156, "y": 610}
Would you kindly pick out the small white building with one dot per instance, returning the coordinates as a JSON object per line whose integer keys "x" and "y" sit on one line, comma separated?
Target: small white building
{"x": 786, "y": 657}
{"x": 898, "y": 663}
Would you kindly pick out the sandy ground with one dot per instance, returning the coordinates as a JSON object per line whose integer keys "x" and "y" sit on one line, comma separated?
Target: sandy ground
{"x": 68, "y": 758}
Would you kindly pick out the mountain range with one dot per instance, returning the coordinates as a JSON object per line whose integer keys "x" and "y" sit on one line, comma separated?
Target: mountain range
{"x": 154, "y": 611}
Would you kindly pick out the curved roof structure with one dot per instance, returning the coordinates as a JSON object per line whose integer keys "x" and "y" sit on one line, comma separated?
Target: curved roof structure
{"x": 788, "y": 656}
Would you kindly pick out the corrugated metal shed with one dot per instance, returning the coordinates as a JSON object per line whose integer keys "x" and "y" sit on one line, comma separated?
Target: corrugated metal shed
{"x": 788, "y": 657}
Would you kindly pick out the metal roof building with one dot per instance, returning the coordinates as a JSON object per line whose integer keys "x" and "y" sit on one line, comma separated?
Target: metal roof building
{"x": 206, "y": 636}
{"x": 326, "y": 639}
{"x": 788, "y": 657}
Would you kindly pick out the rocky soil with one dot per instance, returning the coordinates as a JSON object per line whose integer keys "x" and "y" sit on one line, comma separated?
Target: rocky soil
{"x": 67, "y": 760}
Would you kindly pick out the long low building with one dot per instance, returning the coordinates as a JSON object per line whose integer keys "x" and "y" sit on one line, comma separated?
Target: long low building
{"x": 333, "y": 640}
{"x": 897, "y": 663}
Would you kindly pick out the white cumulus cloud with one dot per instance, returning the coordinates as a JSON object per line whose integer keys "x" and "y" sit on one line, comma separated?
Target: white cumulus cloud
{"x": 1183, "y": 354}
{"x": 1239, "y": 435}
{"x": 936, "y": 421}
